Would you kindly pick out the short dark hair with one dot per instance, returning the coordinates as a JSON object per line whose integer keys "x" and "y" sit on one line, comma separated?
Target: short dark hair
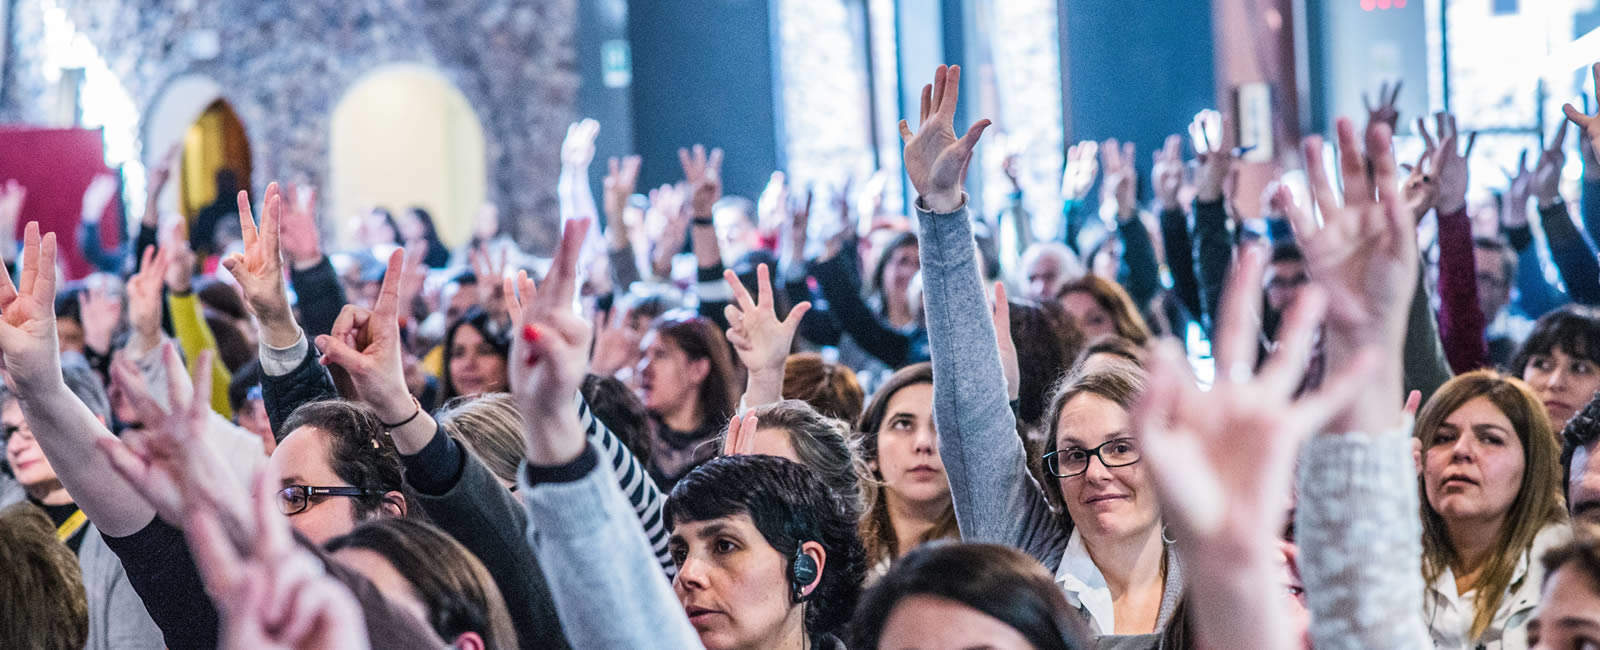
{"x": 789, "y": 506}
{"x": 450, "y": 581}
{"x": 1574, "y": 329}
{"x": 359, "y": 451}
{"x": 1581, "y": 431}
{"x": 999, "y": 581}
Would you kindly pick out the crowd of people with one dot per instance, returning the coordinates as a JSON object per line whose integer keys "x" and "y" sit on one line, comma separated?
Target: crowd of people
{"x": 722, "y": 423}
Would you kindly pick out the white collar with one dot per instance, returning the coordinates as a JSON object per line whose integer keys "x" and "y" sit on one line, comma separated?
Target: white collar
{"x": 1085, "y": 586}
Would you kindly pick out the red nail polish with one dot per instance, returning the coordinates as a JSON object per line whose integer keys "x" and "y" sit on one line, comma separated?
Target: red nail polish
{"x": 530, "y": 333}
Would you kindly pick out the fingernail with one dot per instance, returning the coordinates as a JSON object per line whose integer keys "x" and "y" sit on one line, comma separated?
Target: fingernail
{"x": 530, "y": 333}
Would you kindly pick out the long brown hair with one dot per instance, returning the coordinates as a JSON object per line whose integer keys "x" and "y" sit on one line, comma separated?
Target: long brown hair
{"x": 1112, "y": 298}
{"x": 877, "y": 532}
{"x": 1538, "y": 503}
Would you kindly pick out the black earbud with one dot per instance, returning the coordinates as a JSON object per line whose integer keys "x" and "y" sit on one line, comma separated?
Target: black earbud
{"x": 803, "y": 572}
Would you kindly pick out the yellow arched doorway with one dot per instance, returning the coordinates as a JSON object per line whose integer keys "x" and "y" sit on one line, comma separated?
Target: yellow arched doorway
{"x": 215, "y": 142}
{"x": 404, "y": 136}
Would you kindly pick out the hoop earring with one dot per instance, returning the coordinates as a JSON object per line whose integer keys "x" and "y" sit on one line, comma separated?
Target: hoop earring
{"x": 1164, "y": 537}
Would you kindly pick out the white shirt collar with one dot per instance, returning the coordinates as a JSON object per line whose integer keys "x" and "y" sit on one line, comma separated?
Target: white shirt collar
{"x": 1085, "y": 586}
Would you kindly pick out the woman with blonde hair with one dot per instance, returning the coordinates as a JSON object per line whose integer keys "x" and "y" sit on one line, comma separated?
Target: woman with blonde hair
{"x": 1102, "y": 307}
{"x": 1490, "y": 483}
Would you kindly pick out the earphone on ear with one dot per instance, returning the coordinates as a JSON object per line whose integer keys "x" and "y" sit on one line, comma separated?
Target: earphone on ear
{"x": 802, "y": 572}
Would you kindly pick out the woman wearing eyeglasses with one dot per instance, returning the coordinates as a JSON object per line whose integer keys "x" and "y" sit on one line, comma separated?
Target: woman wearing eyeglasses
{"x": 1107, "y": 553}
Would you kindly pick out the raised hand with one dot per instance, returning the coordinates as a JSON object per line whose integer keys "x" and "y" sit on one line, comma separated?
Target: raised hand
{"x": 797, "y": 217}
{"x": 302, "y": 243}
{"x": 97, "y": 196}
{"x": 549, "y": 352}
{"x": 741, "y": 438}
{"x": 616, "y": 346}
{"x": 702, "y": 178}
{"x": 28, "y": 348}
{"x": 772, "y": 207}
{"x": 1384, "y": 111}
{"x": 1223, "y": 460}
{"x": 622, "y": 177}
{"x": 259, "y": 270}
{"x": 1546, "y": 182}
{"x": 1083, "y": 165}
{"x": 1121, "y": 184}
{"x": 413, "y": 275}
{"x": 935, "y": 159}
{"x": 1216, "y": 156}
{"x": 1364, "y": 255}
{"x": 270, "y": 593}
{"x": 668, "y": 209}
{"x": 760, "y": 339}
{"x": 100, "y": 310}
{"x": 1446, "y": 162}
{"x": 1519, "y": 186}
{"x": 1167, "y": 174}
{"x": 491, "y": 273}
{"x": 577, "y": 150}
{"x": 144, "y": 300}
{"x": 169, "y": 461}
{"x": 1589, "y": 123}
{"x": 366, "y": 345}
{"x": 1420, "y": 191}
{"x": 179, "y": 277}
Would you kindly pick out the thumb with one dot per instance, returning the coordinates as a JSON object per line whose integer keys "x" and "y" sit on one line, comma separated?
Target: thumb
{"x": 337, "y": 352}
{"x": 796, "y": 313}
{"x": 974, "y": 132}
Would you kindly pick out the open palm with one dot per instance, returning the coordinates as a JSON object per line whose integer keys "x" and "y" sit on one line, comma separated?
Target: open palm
{"x": 935, "y": 159}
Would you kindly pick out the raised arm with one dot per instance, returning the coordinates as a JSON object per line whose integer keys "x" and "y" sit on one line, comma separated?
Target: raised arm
{"x": 1077, "y": 178}
{"x": 317, "y": 288}
{"x": 1166, "y": 174}
{"x": 702, "y": 178}
{"x": 1461, "y": 320}
{"x": 1213, "y": 244}
{"x": 67, "y": 431}
{"x": 995, "y": 498}
{"x": 1356, "y": 519}
{"x": 602, "y": 573}
{"x": 1223, "y": 460}
{"x": 1569, "y": 248}
{"x": 621, "y": 179}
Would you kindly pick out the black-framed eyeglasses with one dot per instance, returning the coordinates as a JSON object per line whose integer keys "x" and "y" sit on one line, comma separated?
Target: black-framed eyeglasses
{"x": 294, "y": 499}
{"x": 1066, "y": 463}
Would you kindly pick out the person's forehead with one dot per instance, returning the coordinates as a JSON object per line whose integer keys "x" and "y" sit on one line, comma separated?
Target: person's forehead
{"x": 304, "y": 455}
{"x": 738, "y": 523}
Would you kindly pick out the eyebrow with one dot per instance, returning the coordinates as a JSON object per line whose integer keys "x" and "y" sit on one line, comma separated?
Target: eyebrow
{"x": 1575, "y": 621}
{"x": 292, "y": 479}
{"x": 1077, "y": 442}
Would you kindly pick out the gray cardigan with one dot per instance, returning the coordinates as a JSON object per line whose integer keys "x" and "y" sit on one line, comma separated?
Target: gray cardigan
{"x": 996, "y": 500}
{"x": 117, "y": 618}
{"x": 608, "y": 588}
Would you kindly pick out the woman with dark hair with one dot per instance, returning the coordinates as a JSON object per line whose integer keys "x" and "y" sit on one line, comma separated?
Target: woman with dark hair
{"x": 379, "y": 231}
{"x": 416, "y": 225}
{"x": 1560, "y": 360}
{"x": 1490, "y": 483}
{"x": 1101, "y": 307}
{"x": 906, "y": 492}
{"x": 474, "y": 356}
{"x": 687, "y": 383}
{"x": 433, "y": 576}
{"x": 966, "y": 596}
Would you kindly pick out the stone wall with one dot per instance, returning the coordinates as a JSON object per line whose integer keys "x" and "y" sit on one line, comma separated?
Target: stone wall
{"x": 283, "y": 65}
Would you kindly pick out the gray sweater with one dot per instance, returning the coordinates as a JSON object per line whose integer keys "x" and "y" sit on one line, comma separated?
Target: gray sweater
{"x": 996, "y": 500}
{"x": 608, "y": 588}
